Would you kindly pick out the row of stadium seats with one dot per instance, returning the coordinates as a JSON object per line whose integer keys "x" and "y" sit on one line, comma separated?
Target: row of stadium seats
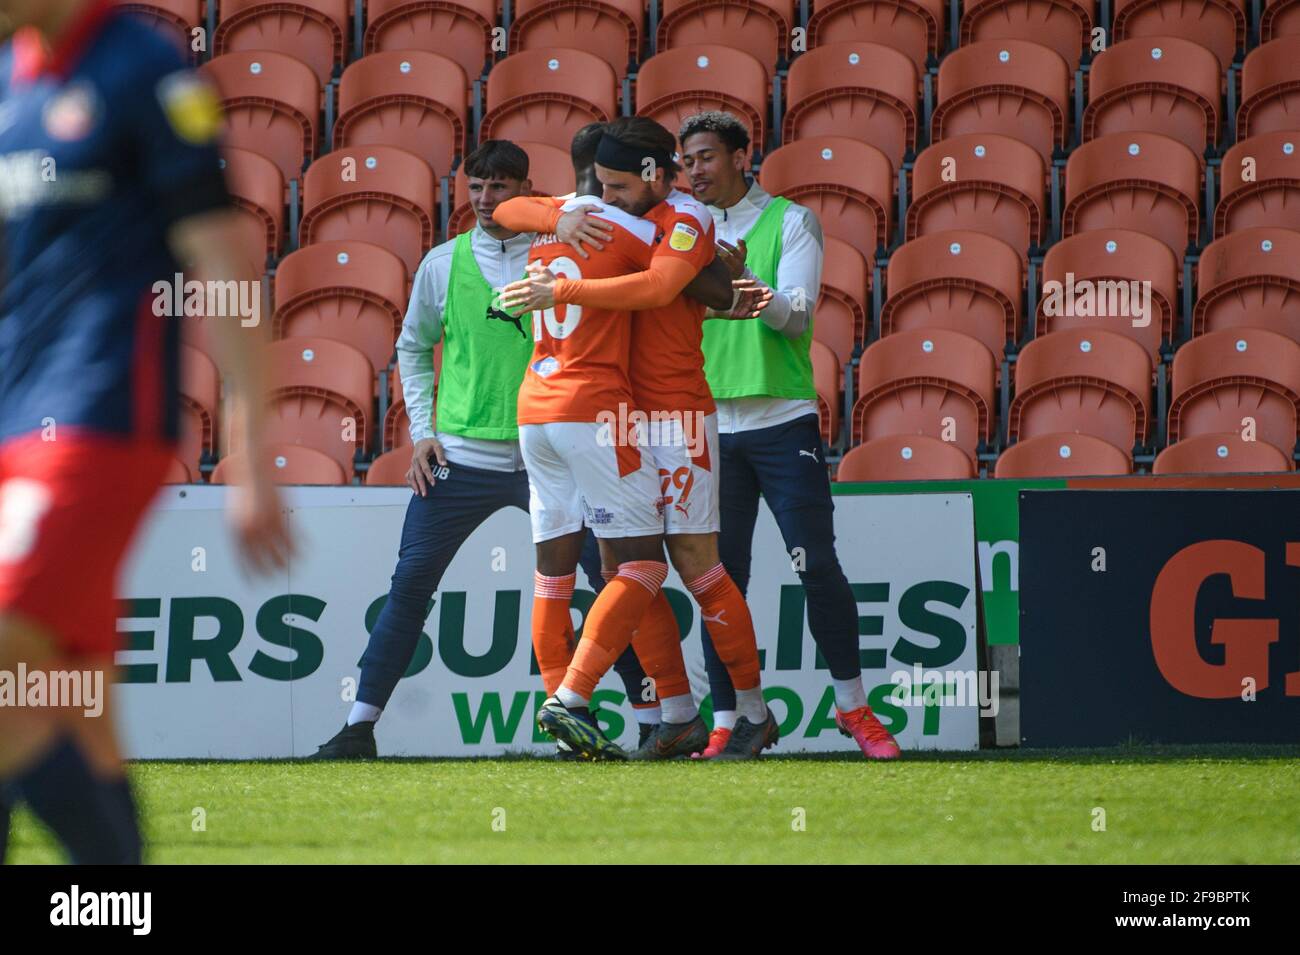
{"x": 420, "y": 101}
{"x": 328, "y": 34}
{"x": 956, "y": 271}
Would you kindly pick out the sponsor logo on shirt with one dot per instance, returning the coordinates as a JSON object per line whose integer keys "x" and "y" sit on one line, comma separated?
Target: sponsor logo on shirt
{"x": 70, "y": 114}
{"x": 546, "y": 367}
{"x": 682, "y": 238}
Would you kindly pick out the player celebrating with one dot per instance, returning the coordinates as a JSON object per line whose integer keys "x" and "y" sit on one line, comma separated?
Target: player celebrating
{"x": 88, "y": 406}
{"x": 476, "y": 447}
{"x": 761, "y": 374}
{"x": 668, "y": 384}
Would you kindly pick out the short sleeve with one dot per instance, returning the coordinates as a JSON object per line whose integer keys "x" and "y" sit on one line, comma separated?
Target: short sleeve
{"x": 176, "y": 121}
{"x": 686, "y": 238}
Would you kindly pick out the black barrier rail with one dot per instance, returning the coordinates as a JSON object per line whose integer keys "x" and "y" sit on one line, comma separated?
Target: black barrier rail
{"x": 1159, "y": 617}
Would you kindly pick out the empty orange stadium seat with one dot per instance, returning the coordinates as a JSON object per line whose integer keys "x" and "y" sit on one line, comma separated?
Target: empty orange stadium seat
{"x": 545, "y": 96}
{"x": 691, "y": 79}
{"x": 1086, "y": 283}
{"x": 178, "y": 18}
{"x": 1063, "y": 25}
{"x": 1237, "y": 379}
{"x": 847, "y": 183}
{"x": 320, "y": 396}
{"x": 759, "y": 27}
{"x": 200, "y": 402}
{"x": 1217, "y": 25}
{"x": 842, "y": 307}
{"x": 286, "y": 464}
{"x": 1062, "y": 455}
{"x": 983, "y": 182}
{"x": 178, "y": 473}
{"x": 1141, "y": 181}
{"x": 257, "y": 190}
{"x": 1089, "y": 381}
{"x": 314, "y": 31}
{"x": 1260, "y": 183}
{"x": 378, "y": 194}
{"x": 906, "y": 457}
{"x": 408, "y": 98}
{"x": 609, "y": 28}
{"x": 389, "y": 469}
{"x": 549, "y": 168}
{"x": 1223, "y": 453}
{"x": 349, "y": 291}
{"x": 1017, "y": 88}
{"x": 459, "y": 29}
{"x": 961, "y": 280}
{"x": 1279, "y": 18}
{"x": 913, "y": 27}
{"x": 1158, "y": 84}
{"x": 856, "y": 89}
{"x": 928, "y": 381}
{"x": 1270, "y": 88}
{"x": 271, "y": 101}
{"x": 828, "y": 381}
{"x": 1250, "y": 278}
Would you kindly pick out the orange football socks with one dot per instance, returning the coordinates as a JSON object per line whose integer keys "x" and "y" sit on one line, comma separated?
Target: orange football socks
{"x": 552, "y": 627}
{"x": 613, "y": 618}
{"x": 723, "y": 609}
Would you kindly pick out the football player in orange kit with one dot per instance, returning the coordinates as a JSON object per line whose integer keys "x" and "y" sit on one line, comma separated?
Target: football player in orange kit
{"x": 671, "y": 401}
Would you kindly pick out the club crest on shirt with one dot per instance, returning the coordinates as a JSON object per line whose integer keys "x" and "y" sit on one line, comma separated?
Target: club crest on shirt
{"x": 71, "y": 113}
{"x": 682, "y": 238}
{"x": 191, "y": 107}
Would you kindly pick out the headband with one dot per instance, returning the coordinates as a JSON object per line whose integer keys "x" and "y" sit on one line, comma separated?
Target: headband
{"x": 615, "y": 154}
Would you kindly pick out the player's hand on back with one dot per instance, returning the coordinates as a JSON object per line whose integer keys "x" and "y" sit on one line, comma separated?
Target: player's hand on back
{"x": 529, "y": 294}
{"x": 579, "y": 229}
{"x": 420, "y": 477}
{"x": 733, "y": 256}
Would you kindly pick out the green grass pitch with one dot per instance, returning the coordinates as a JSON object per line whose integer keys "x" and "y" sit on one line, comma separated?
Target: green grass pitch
{"x": 1221, "y": 804}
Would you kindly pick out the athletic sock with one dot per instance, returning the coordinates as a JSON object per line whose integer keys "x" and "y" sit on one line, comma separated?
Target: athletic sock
{"x": 552, "y": 627}
{"x": 679, "y": 709}
{"x": 611, "y": 621}
{"x": 121, "y": 802}
{"x": 658, "y": 646}
{"x": 64, "y": 794}
{"x": 724, "y": 720}
{"x": 364, "y": 713}
{"x": 723, "y": 608}
{"x": 750, "y": 705}
{"x": 572, "y": 700}
{"x": 647, "y": 715}
{"x": 849, "y": 694}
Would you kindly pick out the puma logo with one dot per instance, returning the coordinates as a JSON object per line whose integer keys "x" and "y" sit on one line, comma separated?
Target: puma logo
{"x": 718, "y": 619}
{"x": 500, "y": 316}
{"x": 811, "y": 454}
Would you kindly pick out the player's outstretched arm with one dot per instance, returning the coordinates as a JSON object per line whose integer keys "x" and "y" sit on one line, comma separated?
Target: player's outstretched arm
{"x": 208, "y": 243}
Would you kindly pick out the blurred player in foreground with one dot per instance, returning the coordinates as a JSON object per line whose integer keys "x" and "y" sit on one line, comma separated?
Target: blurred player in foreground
{"x": 109, "y": 179}
{"x": 761, "y": 374}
